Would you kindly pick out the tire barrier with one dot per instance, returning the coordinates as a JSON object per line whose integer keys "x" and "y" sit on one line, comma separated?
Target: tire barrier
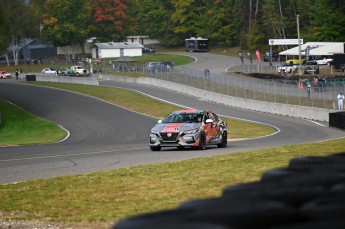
{"x": 30, "y": 77}
{"x": 337, "y": 119}
{"x": 309, "y": 193}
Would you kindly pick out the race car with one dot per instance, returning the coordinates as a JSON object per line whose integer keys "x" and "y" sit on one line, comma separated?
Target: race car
{"x": 286, "y": 68}
{"x": 5, "y": 75}
{"x": 189, "y": 129}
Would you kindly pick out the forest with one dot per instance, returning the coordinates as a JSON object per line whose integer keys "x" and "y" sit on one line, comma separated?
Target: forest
{"x": 247, "y": 24}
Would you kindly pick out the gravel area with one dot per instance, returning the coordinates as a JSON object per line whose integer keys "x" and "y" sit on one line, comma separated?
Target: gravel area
{"x": 35, "y": 224}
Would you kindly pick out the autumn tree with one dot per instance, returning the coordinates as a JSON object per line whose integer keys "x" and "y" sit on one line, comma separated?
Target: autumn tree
{"x": 66, "y": 22}
{"x": 109, "y": 20}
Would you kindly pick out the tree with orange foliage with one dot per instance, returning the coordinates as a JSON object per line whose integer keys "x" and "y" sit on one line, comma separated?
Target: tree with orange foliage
{"x": 109, "y": 20}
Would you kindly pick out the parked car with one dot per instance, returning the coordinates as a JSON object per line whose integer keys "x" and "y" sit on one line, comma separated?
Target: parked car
{"x": 164, "y": 66}
{"x": 67, "y": 72}
{"x": 5, "y": 75}
{"x": 189, "y": 128}
{"x": 80, "y": 71}
{"x": 49, "y": 71}
{"x": 286, "y": 68}
{"x": 275, "y": 57}
{"x": 294, "y": 61}
{"x": 324, "y": 61}
{"x": 311, "y": 66}
{"x": 168, "y": 63}
{"x": 152, "y": 66}
{"x": 148, "y": 50}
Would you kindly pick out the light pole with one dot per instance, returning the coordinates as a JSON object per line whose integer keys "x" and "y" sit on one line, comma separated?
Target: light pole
{"x": 299, "y": 48}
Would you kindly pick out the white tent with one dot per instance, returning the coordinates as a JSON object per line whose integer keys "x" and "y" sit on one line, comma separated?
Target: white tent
{"x": 316, "y": 49}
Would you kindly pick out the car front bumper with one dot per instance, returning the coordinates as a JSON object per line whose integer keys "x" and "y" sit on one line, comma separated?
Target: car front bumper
{"x": 175, "y": 140}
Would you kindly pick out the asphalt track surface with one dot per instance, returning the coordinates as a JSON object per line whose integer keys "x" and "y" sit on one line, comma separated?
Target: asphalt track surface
{"x": 104, "y": 136}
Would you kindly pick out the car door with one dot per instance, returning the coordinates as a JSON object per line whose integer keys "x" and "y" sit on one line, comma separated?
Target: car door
{"x": 217, "y": 125}
{"x": 210, "y": 128}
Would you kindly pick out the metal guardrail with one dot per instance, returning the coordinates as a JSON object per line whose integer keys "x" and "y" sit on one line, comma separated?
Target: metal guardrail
{"x": 284, "y": 90}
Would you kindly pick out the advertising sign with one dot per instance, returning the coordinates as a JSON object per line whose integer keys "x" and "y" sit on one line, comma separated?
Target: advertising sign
{"x": 284, "y": 41}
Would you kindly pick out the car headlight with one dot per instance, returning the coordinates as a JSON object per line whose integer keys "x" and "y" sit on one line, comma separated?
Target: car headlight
{"x": 153, "y": 131}
{"x": 193, "y": 131}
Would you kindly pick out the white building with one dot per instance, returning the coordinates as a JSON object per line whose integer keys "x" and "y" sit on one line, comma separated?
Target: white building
{"x": 316, "y": 49}
{"x": 144, "y": 40}
{"x": 116, "y": 49}
{"x": 76, "y": 49}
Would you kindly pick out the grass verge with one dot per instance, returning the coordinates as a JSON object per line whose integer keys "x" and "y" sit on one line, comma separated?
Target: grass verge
{"x": 105, "y": 197}
{"x": 19, "y": 127}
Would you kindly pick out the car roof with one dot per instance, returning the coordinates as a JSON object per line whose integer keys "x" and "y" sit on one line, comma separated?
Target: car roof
{"x": 187, "y": 111}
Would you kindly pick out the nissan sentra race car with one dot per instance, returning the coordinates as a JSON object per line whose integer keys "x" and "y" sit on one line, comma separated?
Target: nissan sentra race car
{"x": 189, "y": 128}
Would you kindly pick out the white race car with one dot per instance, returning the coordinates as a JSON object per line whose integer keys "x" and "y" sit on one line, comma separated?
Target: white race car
{"x": 288, "y": 68}
{"x": 324, "y": 61}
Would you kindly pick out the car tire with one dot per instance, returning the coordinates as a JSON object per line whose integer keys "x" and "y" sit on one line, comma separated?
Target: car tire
{"x": 224, "y": 142}
{"x": 155, "y": 148}
{"x": 202, "y": 142}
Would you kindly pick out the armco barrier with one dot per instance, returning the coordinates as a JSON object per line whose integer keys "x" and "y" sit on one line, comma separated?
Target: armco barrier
{"x": 68, "y": 79}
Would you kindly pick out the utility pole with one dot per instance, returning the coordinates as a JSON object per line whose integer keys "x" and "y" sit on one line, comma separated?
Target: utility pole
{"x": 299, "y": 49}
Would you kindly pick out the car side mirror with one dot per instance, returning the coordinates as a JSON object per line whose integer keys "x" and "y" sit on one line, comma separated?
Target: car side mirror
{"x": 160, "y": 121}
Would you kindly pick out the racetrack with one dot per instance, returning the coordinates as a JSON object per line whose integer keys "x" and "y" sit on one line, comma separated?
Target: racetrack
{"x": 104, "y": 136}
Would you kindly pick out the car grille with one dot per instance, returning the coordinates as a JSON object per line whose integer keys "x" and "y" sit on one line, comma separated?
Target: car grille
{"x": 166, "y": 138}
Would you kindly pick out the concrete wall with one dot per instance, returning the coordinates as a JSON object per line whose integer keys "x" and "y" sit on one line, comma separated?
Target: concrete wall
{"x": 311, "y": 113}
{"x": 67, "y": 79}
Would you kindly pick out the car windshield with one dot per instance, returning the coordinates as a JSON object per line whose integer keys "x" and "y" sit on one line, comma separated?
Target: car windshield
{"x": 184, "y": 118}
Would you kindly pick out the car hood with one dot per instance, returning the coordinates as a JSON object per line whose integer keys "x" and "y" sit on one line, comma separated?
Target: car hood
{"x": 174, "y": 127}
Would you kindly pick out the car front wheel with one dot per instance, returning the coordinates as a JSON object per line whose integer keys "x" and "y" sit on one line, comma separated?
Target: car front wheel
{"x": 224, "y": 142}
{"x": 202, "y": 142}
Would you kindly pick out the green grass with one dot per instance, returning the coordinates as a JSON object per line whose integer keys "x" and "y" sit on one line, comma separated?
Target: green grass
{"x": 18, "y": 127}
{"x": 158, "y": 57}
{"x": 103, "y": 198}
